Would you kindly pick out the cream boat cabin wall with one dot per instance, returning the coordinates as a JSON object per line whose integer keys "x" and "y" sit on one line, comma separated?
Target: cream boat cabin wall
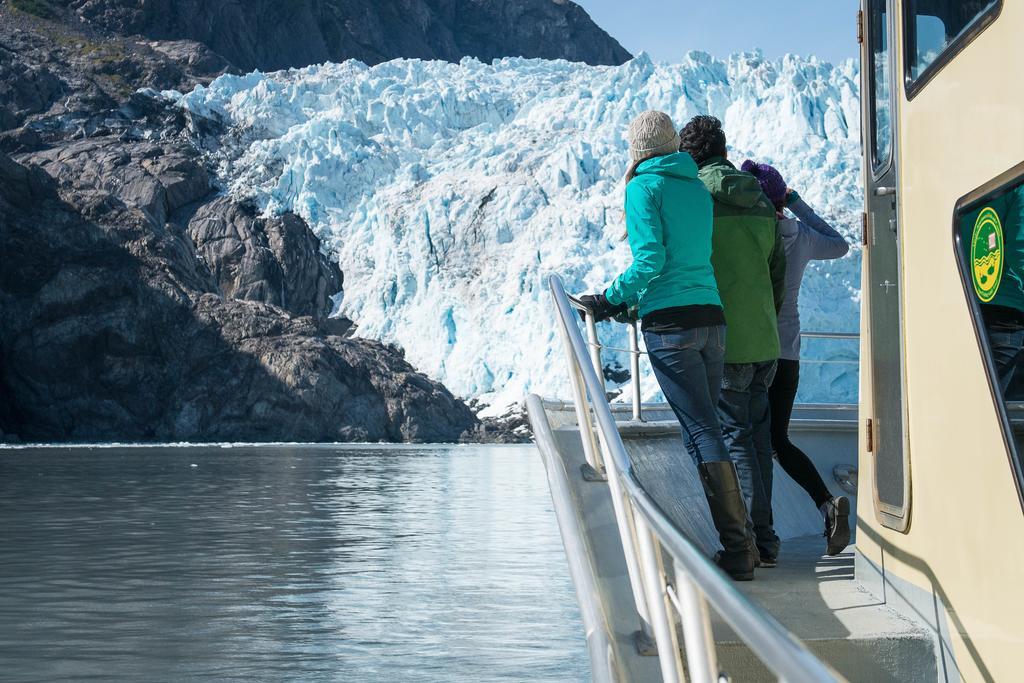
{"x": 965, "y": 541}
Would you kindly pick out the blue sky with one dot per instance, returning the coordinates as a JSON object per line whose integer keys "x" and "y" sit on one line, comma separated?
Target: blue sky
{"x": 667, "y": 29}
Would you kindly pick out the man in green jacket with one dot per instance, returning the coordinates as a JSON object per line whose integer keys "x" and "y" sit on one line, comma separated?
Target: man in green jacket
{"x": 750, "y": 267}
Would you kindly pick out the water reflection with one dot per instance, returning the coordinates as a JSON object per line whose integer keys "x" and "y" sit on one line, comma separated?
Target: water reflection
{"x": 425, "y": 564}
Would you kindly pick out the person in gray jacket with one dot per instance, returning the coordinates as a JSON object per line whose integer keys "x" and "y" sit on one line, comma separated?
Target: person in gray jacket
{"x": 805, "y": 238}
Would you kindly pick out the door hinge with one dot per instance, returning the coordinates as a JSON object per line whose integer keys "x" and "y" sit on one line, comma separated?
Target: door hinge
{"x": 864, "y": 228}
{"x": 860, "y": 27}
{"x": 869, "y": 435}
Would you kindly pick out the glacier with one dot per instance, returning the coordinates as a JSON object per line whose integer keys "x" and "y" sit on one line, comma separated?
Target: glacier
{"x": 448, "y": 192}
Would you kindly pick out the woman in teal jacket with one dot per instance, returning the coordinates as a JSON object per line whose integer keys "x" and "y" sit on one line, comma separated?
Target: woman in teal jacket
{"x": 669, "y": 219}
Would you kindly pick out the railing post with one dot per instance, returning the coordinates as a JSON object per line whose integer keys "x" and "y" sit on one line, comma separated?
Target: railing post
{"x": 698, "y": 639}
{"x": 657, "y": 601}
{"x": 620, "y": 505}
{"x": 634, "y": 369}
{"x": 595, "y": 349}
{"x": 624, "y": 518}
{"x": 579, "y": 397}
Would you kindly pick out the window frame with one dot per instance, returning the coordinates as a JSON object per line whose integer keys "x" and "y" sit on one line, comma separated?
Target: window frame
{"x": 879, "y": 167}
{"x": 1009, "y": 179}
{"x": 913, "y": 85}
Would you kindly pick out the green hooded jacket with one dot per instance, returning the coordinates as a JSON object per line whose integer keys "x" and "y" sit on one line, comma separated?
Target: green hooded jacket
{"x": 749, "y": 261}
{"x": 669, "y": 223}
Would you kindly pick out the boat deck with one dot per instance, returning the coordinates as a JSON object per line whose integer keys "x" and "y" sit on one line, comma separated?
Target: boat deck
{"x": 820, "y": 601}
{"x": 817, "y": 598}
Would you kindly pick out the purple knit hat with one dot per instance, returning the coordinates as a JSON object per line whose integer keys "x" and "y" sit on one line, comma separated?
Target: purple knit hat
{"x": 771, "y": 181}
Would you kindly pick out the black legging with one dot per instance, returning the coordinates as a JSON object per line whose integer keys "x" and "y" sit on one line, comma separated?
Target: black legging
{"x": 794, "y": 461}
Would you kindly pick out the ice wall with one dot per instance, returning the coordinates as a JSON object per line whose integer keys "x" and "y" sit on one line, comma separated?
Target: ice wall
{"x": 448, "y": 192}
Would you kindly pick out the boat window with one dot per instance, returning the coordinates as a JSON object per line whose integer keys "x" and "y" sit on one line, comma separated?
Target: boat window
{"x": 990, "y": 244}
{"x": 935, "y": 30}
{"x": 880, "y": 101}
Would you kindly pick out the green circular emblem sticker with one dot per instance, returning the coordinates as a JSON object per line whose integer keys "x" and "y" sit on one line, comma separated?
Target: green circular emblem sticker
{"x": 987, "y": 254}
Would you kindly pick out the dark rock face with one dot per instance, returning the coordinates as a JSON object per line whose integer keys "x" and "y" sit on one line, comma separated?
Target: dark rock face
{"x": 112, "y": 327}
{"x": 269, "y": 34}
{"x": 511, "y": 427}
{"x": 24, "y": 89}
{"x": 277, "y": 261}
{"x": 90, "y": 55}
{"x": 64, "y": 68}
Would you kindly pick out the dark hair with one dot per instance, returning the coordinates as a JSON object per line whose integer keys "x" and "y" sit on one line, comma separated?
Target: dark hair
{"x": 703, "y": 138}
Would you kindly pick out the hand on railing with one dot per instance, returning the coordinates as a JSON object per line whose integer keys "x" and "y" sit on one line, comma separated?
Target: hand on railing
{"x": 594, "y": 303}
{"x": 599, "y": 306}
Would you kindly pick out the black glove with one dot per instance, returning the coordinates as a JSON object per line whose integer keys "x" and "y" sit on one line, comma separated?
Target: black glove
{"x": 600, "y": 307}
{"x": 626, "y": 316}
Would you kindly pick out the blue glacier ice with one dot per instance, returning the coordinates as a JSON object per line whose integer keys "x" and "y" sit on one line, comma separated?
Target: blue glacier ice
{"x": 448, "y": 192}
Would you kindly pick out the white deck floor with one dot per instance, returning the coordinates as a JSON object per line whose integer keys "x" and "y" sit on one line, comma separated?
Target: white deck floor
{"x": 817, "y": 598}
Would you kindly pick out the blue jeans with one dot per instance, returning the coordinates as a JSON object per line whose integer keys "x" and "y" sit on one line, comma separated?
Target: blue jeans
{"x": 688, "y": 367}
{"x": 746, "y": 422}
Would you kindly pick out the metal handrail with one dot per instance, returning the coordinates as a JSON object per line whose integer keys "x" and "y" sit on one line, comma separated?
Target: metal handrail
{"x": 644, "y": 526}
{"x": 595, "y": 352}
{"x": 634, "y": 351}
{"x": 830, "y": 335}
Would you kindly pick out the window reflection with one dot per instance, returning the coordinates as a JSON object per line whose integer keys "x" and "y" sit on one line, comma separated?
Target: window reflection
{"x": 990, "y": 237}
{"x": 935, "y": 25}
{"x": 882, "y": 140}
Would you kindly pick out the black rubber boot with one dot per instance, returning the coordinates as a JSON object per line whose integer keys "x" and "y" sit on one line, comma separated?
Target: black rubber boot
{"x": 729, "y": 512}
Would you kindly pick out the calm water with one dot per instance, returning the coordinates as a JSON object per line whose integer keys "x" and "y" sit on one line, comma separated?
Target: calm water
{"x": 283, "y": 563}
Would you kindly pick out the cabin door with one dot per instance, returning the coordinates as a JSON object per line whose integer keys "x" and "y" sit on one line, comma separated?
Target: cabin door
{"x": 892, "y": 476}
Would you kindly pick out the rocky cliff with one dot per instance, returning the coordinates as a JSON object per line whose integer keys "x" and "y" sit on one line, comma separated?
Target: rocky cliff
{"x": 137, "y": 301}
{"x": 138, "y": 304}
{"x": 64, "y": 75}
{"x": 270, "y": 34}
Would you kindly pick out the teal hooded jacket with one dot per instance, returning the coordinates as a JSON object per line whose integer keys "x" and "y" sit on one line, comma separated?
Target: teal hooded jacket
{"x": 669, "y": 220}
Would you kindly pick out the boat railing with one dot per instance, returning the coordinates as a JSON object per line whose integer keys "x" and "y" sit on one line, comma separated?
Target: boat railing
{"x": 647, "y": 533}
{"x": 596, "y": 347}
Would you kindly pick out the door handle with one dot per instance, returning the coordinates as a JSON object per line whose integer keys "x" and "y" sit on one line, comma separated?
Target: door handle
{"x": 884, "y": 191}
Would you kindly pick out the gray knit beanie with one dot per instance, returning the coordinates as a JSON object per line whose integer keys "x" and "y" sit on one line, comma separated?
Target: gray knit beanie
{"x": 652, "y": 135}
